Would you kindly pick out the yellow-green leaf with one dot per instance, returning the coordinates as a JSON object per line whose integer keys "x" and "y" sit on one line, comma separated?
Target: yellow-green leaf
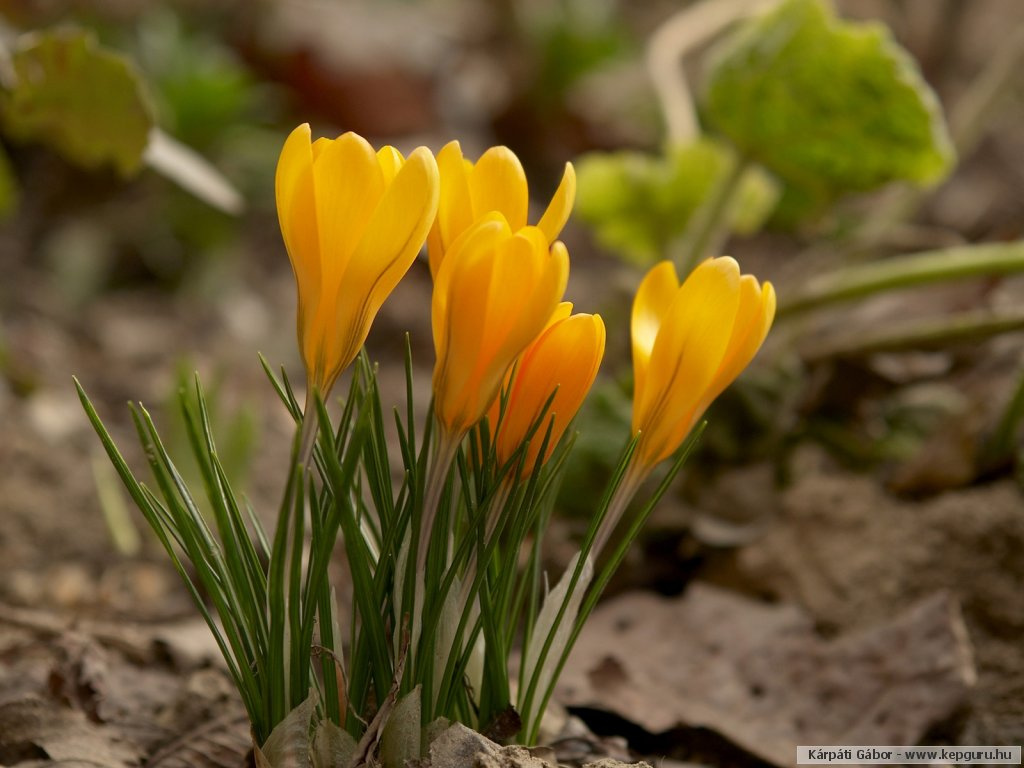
{"x": 828, "y": 105}
{"x": 637, "y": 204}
{"x": 85, "y": 101}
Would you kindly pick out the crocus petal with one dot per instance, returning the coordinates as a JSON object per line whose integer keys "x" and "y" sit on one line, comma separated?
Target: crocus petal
{"x": 388, "y": 247}
{"x": 390, "y": 160}
{"x": 498, "y": 183}
{"x": 455, "y": 209}
{"x": 495, "y": 291}
{"x": 563, "y": 361}
{"x": 338, "y": 200}
{"x": 558, "y": 210}
{"x": 756, "y": 312}
{"x": 296, "y": 207}
{"x": 349, "y": 184}
{"x": 653, "y": 298}
{"x": 690, "y": 346}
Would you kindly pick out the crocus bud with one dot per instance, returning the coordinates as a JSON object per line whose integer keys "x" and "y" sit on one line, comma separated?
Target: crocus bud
{"x": 353, "y": 221}
{"x": 690, "y": 342}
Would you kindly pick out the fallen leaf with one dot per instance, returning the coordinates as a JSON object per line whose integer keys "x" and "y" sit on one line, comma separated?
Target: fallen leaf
{"x": 218, "y": 743}
{"x": 34, "y": 727}
{"x": 762, "y": 677}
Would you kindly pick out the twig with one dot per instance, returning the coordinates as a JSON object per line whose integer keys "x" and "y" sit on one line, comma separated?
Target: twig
{"x": 373, "y": 732}
{"x": 674, "y": 39}
{"x": 906, "y": 271}
{"x": 951, "y": 329}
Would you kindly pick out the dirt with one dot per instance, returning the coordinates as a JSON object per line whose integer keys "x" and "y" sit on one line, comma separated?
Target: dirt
{"x": 854, "y": 555}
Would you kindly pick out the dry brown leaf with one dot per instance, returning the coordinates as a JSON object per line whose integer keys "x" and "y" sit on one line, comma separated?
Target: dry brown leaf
{"x": 220, "y": 743}
{"x": 34, "y": 727}
{"x": 761, "y": 676}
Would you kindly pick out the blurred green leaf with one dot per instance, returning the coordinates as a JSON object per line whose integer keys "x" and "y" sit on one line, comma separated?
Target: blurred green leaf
{"x": 638, "y": 204}
{"x": 85, "y": 101}
{"x": 830, "y": 106}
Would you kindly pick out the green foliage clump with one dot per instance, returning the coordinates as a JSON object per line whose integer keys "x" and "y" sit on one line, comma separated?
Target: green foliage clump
{"x": 829, "y": 106}
{"x": 638, "y": 204}
{"x": 85, "y": 101}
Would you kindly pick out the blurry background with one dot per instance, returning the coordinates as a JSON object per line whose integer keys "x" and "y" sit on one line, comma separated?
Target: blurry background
{"x": 843, "y": 480}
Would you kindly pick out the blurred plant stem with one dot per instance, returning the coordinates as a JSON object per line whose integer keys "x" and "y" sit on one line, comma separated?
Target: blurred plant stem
{"x": 950, "y": 329}
{"x": 1001, "y": 446}
{"x": 706, "y": 233}
{"x": 687, "y": 29}
{"x": 906, "y": 271}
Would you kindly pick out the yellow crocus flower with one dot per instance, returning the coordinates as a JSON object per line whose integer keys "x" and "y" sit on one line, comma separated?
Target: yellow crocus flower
{"x": 562, "y": 361}
{"x": 353, "y": 221}
{"x": 496, "y": 182}
{"x": 690, "y": 342}
{"x": 493, "y": 294}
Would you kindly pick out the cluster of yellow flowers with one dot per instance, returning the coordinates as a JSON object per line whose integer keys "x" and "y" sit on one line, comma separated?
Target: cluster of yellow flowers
{"x": 354, "y": 220}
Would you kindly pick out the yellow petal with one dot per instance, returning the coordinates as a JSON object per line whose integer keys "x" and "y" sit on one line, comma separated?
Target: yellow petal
{"x": 690, "y": 346}
{"x": 458, "y": 306}
{"x": 320, "y": 145}
{"x": 652, "y": 301}
{"x": 482, "y": 236}
{"x": 494, "y": 293}
{"x": 390, "y": 242}
{"x": 754, "y": 318}
{"x": 562, "y": 361}
{"x": 349, "y": 184}
{"x": 558, "y": 210}
{"x": 296, "y": 211}
{"x": 498, "y": 183}
{"x": 455, "y": 209}
{"x": 390, "y": 160}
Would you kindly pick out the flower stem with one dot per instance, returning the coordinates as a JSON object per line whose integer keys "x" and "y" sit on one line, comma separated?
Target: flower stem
{"x": 496, "y": 506}
{"x": 307, "y": 437}
{"x": 906, "y": 271}
{"x": 708, "y": 229}
{"x": 436, "y": 475}
{"x": 619, "y": 501}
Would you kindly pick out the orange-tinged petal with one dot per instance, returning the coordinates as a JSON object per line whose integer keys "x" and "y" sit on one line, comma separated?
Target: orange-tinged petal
{"x": 498, "y": 183}
{"x": 563, "y": 361}
{"x": 558, "y": 210}
{"x": 562, "y": 311}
